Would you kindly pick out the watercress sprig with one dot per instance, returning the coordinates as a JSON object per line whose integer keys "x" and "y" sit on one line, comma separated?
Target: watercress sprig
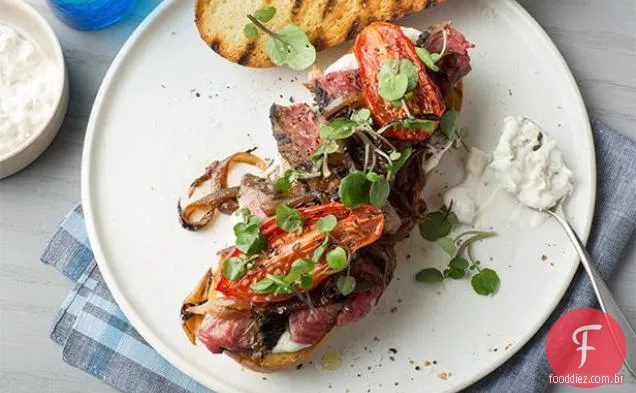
{"x": 430, "y": 59}
{"x": 249, "y": 238}
{"x": 288, "y": 219}
{"x": 436, "y": 227}
{"x": 289, "y": 46}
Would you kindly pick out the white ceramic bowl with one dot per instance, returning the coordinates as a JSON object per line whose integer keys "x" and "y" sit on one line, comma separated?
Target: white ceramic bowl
{"x": 31, "y": 25}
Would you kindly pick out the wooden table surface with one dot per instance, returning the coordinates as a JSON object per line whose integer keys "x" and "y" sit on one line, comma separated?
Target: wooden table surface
{"x": 597, "y": 38}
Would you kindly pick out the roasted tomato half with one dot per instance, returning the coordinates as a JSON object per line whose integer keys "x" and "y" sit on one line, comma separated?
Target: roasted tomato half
{"x": 355, "y": 229}
{"x": 377, "y": 44}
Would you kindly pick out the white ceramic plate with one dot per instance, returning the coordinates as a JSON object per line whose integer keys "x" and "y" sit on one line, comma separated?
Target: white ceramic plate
{"x": 169, "y": 105}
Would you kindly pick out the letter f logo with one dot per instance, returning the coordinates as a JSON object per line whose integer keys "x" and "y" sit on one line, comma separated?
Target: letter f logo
{"x": 583, "y": 344}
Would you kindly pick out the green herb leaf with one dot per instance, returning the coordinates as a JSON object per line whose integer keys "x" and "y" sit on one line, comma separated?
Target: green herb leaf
{"x": 395, "y": 155}
{"x": 327, "y": 223}
{"x": 456, "y": 273}
{"x": 266, "y": 285}
{"x": 265, "y": 14}
{"x": 251, "y": 242}
{"x": 362, "y": 116}
{"x": 409, "y": 69}
{"x": 458, "y": 263}
{"x": 354, "y": 190}
{"x": 346, "y": 284}
{"x": 284, "y": 184}
{"x": 448, "y": 124}
{"x": 396, "y": 78}
{"x": 393, "y": 87}
{"x": 300, "y": 267}
{"x": 398, "y": 163}
{"x": 373, "y": 177}
{"x": 292, "y": 47}
{"x": 379, "y": 192}
{"x": 319, "y": 251}
{"x": 338, "y": 128}
{"x": 485, "y": 282}
{"x": 306, "y": 282}
{"x": 288, "y": 219}
{"x": 427, "y": 59}
{"x": 337, "y": 259}
{"x": 429, "y": 275}
{"x": 437, "y": 224}
{"x": 250, "y": 31}
{"x": 447, "y": 244}
{"x": 234, "y": 268}
{"x": 329, "y": 147}
{"x": 419, "y": 124}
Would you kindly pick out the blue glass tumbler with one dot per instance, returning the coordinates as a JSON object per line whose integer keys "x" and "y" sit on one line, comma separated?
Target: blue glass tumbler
{"x": 90, "y": 14}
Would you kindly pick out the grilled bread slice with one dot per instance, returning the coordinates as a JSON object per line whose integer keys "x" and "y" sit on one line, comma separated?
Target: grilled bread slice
{"x": 326, "y": 22}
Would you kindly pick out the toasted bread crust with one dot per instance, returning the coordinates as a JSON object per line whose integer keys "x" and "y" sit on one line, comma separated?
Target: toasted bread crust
{"x": 326, "y": 22}
{"x": 275, "y": 361}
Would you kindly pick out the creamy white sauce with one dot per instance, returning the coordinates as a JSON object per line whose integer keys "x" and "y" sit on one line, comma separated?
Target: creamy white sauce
{"x": 285, "y": 344}
{"x": 349, "y": 61}
{"x": 28, "y": 80}
{"x": 528, "y": 164}
{"x": 468, "y": 196}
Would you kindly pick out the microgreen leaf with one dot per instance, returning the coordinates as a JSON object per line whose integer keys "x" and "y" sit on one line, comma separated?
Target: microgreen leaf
{"x": 485, "y": 282}
{"x": 265, "y": 14}
{"x": 338, "y": 128}
{"x": 337, "y": 259}
{"x": 398, "y": 163}
{"x": 419, "y": 124}
{"x": 317, "y": 254}
{"x": 234, "y": 268}
{"x": 292, "y": 47}
{"x": 395, "y": 155}
{"x": 448, "y": 124}
{"x": 284, "y": 184}
{"x": 393, "y": 87}
{"x": 288, "y": 219}
{"x": 396, "y": 78}
{"x": 447, "y": 244}
{"x": 250, "y": 31}
{"x": 427, "y": 59}
{"x": 354, "y": 190}
{"x": 306, "y": 282}
{"x": 437, "y": 224}
{"x": 456, "y": 273}
{"x": 251, "y": 242}
{"x": 346, "y": 284}
{"x": 329, "y": 147}
{"x": 300, "y": 267}
{"x": 362, "y": 116}
{"x": 263, "y": 286}
{"x": 458, "y": 263}
{"x": 429, "y": 275}
{"x": 379, "y": 192}
{"x": 327, "y": 223}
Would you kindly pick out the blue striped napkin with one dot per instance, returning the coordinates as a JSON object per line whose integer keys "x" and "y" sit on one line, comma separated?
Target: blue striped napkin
{"x": 98, "y": 338}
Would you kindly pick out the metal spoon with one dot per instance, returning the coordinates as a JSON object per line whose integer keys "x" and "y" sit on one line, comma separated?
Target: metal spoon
{"x": 603, "y": 294}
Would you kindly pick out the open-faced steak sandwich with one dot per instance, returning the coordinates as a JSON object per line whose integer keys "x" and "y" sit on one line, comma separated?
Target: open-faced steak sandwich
{"x": 316, "y": 234}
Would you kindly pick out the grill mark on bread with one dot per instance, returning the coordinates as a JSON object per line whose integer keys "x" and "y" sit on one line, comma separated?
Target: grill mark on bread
{"x": 318, "y": 42}
{"x": 215, "y": 45}
{"x": 353, "y": 30}
{"x": 298, "y": 5}
{"x": 245, "y": 57}
{"x": 328, "y": 8}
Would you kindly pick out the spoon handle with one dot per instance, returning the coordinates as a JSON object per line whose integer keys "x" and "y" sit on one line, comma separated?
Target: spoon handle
{"x": 605, "y": 298}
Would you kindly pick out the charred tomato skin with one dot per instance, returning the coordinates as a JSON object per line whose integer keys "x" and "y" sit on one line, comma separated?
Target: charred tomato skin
{"x": 355, "y": 229}
{"x": 377, "y": 44}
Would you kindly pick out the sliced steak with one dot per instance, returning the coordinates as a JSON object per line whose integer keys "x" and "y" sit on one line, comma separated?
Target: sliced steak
{"x": 309, "y": 326}
{"x": 233, "y": 334}
{"x": 295, "y": 128}
{"x": 358, "y": 305}
{"x": 456, "y": 62}
{"x": 336, "y": 91}
{"x": 256, "y": 193}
